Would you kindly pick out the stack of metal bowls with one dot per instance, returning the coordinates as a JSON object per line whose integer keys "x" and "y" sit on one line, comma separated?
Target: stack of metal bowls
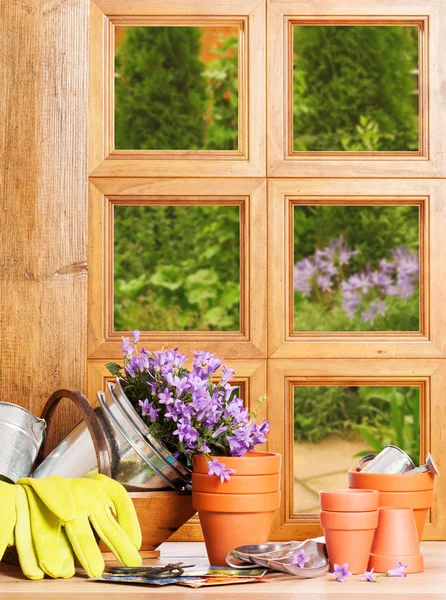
{"x": 138, "y": 461}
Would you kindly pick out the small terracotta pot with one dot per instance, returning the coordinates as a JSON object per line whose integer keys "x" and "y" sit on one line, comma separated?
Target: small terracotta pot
{"x": 349, "y": 537}
{"x": 242, "y": 484}
{"x": 396, "y": 540}
{"x": 252, "y": 463}
{"x": 385, "y": 482}
{"x": 419, "y": 502}
{"x": 349, "y": 500}
{"x": 240, "y": 511}
{"x": 400, "y": 491}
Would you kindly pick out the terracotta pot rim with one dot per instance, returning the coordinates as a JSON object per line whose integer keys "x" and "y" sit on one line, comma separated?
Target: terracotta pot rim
{"x": 414, "y": 562}
{"x": 349, "y": 500}
{"x": 252, "y": 463}
{"x": 415, "y": 500}
{"x": 236, "y": 503}
{"x": 349, "y": 521}
{"x": 244, "y": 484}
{"x": 385, "y": 482}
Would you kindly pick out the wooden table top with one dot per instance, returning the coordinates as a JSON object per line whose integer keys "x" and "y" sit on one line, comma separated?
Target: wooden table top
{"x": 427, "y": 585}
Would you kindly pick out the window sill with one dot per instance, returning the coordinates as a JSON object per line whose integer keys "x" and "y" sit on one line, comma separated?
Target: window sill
{"x": 430, "y": 584}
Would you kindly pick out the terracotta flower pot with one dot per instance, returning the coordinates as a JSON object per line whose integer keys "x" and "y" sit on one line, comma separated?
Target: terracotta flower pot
{"x": 400, "y": 491}
{"x": 384, "y": 482}
{"x": 349, "y": 500}
{"x": 241, "y": 513}
{"x": 349, "y": 537}
{"x": 419, "y": 502}
{"x": 242, "y": 484}
{"x": 252, "y": 463}
{"x": 396, "y": 540}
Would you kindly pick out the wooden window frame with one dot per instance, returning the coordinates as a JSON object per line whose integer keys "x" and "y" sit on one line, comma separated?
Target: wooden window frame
{"x": 250, "y": 341}
{"x": 429, "y": 161}
{"x": 429, "y": 374}
{"x": 249, "y": 160}
{"x": 283, "y": 342}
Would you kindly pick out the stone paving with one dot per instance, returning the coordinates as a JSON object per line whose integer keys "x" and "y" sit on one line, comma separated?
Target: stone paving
{"x": 322, "y": 466}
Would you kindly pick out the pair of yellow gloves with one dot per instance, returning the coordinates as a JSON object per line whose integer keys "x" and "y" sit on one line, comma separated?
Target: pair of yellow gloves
{"x": 52, "y": 519}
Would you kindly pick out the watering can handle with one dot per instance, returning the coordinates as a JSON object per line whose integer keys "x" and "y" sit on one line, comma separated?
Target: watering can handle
{"x": 91, "y": 421}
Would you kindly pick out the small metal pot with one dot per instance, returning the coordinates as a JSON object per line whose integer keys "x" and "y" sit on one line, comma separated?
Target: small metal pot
{"x": 21, "y": 435}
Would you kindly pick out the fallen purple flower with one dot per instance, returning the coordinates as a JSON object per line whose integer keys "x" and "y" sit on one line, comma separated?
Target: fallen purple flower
{"x": 370, "y": 576}
{"x": 398, "y": 571}
{"x": 219, "y": 469}
{"x": 341, "y": 572}
{"x": 300, "y": 559}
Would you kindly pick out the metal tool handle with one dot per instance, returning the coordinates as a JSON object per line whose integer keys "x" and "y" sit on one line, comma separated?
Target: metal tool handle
{"x": 91, "y": 421}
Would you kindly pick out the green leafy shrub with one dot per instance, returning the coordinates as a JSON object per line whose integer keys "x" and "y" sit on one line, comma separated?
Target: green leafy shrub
{"x": 382, "y": 415}
{"x": 354, "y": 88}
{"x": 160, "y": 89}
{"x": 177, "y": 268}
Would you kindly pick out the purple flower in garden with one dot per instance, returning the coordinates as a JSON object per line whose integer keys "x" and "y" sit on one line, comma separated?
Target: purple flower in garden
{"x": 300, "y": 559}
{"x": 226, "y": 375}
{"x": 304, "y": 271}
{"x": 370, "y": 576}
{"x": 186, "y": 432}
{"x": 220, "y": 469}
{"x": 324, "y": 282}
{"x": 136, "y": 335}
{"x": 237, "y": 411}
{"x": 341, "y": 572}
{"x": 375, "y": 309}
{"x": 148, "y": 410}
{"x": 204, "y": 448}
{"x": 398, "y": 571}
{"x": 179, "y": 383}
{"x": 259, "y": 433}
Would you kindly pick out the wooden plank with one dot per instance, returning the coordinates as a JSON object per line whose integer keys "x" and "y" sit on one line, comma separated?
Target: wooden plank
{"x": 429, "y": 585}
{"x": 43, "y": 165}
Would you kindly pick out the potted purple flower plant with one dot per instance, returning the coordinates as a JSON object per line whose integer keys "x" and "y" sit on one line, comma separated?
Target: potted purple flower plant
{"x": 197, "y": 415}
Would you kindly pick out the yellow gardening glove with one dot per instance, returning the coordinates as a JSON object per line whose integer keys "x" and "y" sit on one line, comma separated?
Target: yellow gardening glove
{"x": 41, "y": 543}
{"x": 79, "y": 505}
{"x": 7, "y": 516}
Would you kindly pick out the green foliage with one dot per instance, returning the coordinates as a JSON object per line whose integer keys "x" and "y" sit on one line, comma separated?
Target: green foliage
{"x": 402, "y": 315}
{"x": 177, "y": 268}
{"x": 372, "y": 230}
{"x": 160, "y": 89}
{"x": 353, "y": 88}
{"x": 382, "y": 415}
{"x": 222, "y": 77}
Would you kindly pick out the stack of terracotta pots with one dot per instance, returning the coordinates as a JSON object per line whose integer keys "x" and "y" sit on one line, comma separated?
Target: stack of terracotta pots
{"x": 405, "y": 490}
{"x": 349, "y": 519}
{"x": 240, "y": 511}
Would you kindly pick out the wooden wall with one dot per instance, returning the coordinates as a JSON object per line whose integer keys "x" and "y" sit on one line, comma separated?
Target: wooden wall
{"x": 43, "y": 189}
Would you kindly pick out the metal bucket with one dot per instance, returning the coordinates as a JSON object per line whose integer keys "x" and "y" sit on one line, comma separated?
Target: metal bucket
{"x": 21, "y": 436}
{"x": 132, "y": 462}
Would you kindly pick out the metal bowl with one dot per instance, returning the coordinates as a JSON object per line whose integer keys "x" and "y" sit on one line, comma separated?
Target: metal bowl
{"x": 158, "y": 447}
{"x": 140, "y": 439}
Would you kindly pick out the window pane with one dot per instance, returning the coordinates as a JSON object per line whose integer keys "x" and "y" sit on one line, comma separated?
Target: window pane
{"x": 355, "y": 88}
{"x": 177, "y": 268}
{"x": 333, "y": 425}
{"x": 176, "y": 88}
{"x": 356, "y": 268}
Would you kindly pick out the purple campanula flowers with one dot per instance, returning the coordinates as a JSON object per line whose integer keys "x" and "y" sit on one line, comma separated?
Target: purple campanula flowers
{"x": 190, "y": 409}
{"x": 341, "y": 572}
{"x": 328, "y": 275}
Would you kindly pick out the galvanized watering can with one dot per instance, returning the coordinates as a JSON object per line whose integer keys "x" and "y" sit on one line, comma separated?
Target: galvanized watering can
{"x": 21, "y": 436}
